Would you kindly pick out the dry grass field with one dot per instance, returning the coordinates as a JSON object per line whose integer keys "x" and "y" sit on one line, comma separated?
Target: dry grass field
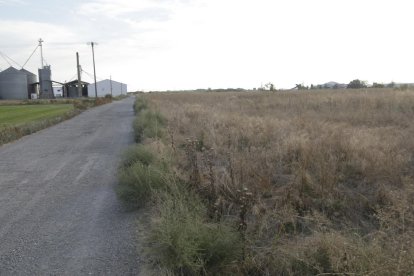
{"x": 310, "y": 183}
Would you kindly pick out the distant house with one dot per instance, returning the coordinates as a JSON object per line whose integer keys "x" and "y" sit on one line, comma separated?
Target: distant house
{"x": 334, "y": 85}
{"x": 107, "y": 87}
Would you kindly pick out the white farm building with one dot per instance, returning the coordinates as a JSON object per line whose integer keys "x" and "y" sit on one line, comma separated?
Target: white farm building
{"x": 107, "y": 87}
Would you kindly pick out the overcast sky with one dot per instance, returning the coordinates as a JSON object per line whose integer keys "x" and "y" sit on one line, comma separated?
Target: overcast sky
{"x": 188, "y": 44}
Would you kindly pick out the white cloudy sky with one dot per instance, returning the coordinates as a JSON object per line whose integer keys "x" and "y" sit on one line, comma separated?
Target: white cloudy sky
{"x": 186, "y": 44}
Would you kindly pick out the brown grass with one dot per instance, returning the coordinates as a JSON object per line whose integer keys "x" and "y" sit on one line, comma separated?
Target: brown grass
{"x": 315, "y": 182}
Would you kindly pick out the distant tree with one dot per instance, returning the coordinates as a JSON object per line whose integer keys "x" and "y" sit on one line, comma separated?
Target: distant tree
{"x": 404, "y": 86}
{"x": 301, "y": 87}
{"x": 391, "y": 85}
{"x": 355, "y": 84}
{"x": 378, "y": 85}
{"x": 270, "y": 86}
{"x": 312, "y": 86}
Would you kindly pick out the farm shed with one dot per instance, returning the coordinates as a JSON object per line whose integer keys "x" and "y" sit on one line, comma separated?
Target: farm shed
{"x": 71, "y": 89}
{"x": 107, "y": 87}
{"x": 17, "y": 84}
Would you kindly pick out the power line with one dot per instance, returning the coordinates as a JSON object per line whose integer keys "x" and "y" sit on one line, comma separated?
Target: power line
{"x": 12, "y": 60}
{"x": 72, "y": 78}
{"x": 1, "y": 54}
{"x": 92, "y": 76}
{"x": 4, "y": 56}
{"x": 30, "y": 56}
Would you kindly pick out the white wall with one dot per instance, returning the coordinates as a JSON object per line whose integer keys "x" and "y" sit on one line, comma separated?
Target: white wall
{"x": 58, "y": 91}
{"x": 104, "y": 88}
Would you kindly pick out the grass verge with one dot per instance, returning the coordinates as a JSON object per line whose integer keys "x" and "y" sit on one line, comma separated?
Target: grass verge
{"x": 14, "y": 115}
{"x": 183, "y": 240}
{"x": 20, "y": 118}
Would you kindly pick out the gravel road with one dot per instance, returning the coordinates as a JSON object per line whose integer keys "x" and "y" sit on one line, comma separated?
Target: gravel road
{"x": 59, "y": 214}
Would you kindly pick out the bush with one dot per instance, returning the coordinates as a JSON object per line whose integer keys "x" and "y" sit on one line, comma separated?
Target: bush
{"x": 135, "y": 154}
{"x": 140, "y": 104}
{"x": 137, "y": 181}
{"x": 356, "y": 84}
{"x": 148, "y": 124}
{"x": 102, "y": 101}
{"x": 187, "y": 245}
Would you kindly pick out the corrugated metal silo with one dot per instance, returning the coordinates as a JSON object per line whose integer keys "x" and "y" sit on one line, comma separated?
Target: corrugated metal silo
{"x": 13, "y": 85}
{"x": 45, "y": 81}
{"x": 72, "y": 92}
{"x": 31, "y": 80}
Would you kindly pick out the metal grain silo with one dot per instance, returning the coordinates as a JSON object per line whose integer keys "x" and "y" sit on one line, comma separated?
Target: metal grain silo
{"x": 31, "y": 81}
{"x": 13, "y": 85}
{"x": 45, "y": 81}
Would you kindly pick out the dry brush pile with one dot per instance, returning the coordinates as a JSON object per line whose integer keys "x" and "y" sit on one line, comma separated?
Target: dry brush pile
{"x": 298, "y": 183}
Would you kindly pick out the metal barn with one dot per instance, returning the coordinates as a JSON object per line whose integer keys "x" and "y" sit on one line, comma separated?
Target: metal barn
{"x": 107, "y": 87}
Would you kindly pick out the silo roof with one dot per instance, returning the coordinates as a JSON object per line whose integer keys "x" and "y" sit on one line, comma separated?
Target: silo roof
{"x": 11, "y": 70}
{"x": 26, "y": 72}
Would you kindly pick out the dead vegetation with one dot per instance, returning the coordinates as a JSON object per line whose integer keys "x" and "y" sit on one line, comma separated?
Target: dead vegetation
{"x": 308, "y": 182}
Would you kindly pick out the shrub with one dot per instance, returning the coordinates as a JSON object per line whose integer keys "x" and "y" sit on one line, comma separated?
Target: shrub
{"x": 356, "y": 84}
{"x": 101, "y": 101}
{"x": 148, "y": 124}
{"x": 135, "y": 154}
{"x": 140, "y": 104}
{"x": 137, "y": 182}
{"x": 188, "y": 245}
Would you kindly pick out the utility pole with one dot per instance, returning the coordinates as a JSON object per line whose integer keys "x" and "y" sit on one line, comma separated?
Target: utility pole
{"x": 41, "y": 51}
{"x": 110, "y": 77}
{"x": 79, "y": 76}
{"x": 94, "y": 70}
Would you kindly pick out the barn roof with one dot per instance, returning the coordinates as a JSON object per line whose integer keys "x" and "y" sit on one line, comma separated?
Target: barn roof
{"x": 75, "y": 82}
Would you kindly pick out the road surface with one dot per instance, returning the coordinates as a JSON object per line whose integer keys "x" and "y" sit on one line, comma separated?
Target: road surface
{"x": 59, "y": 214}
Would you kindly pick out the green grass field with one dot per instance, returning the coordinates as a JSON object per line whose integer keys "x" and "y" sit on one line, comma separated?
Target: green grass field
{"x": 15, "y": 115}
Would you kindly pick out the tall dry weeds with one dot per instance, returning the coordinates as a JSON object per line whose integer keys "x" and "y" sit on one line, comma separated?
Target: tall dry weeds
{"x": 330, "y": 175}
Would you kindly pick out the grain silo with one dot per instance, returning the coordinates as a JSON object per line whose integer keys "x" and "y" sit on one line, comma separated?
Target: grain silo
{"x": 13, "y": 85}
{"x": 31, "y": 82}
{"x": 45, "y": 81}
